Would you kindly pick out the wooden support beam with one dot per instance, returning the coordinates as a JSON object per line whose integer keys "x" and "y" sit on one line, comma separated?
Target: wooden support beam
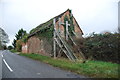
{"x": 62, "y": 48}
{"x": 66, "y": 30}
{"x": 67, "y": 25}
{"x": 54, "y": 42}
{"x": 72, "y": 39}
{"x": 59, "y": 25}
{"x": 59, "y": 53}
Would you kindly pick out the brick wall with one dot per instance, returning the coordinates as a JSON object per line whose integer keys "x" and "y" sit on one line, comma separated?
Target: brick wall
{"x": 24, "y": 48}
{"x": 36, "y": 45}
{"x": 42, "y": 46}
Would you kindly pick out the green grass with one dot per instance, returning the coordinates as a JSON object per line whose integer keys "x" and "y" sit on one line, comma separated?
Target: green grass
{"x": 94, "y": 69}
{"x": 13, "y": 51}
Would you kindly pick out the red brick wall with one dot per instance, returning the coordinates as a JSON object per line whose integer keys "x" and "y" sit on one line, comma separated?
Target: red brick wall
{"x": 24, "y": 48}
{"x": 35, "y": 45}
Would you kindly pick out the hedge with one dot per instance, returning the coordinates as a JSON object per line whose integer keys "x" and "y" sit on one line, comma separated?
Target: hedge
{"x": 103, "y": 47}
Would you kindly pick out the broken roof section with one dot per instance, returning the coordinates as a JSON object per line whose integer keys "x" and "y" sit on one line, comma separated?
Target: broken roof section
{"x": 48, "y": 24}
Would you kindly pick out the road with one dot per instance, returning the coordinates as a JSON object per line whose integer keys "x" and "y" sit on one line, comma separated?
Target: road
{"x": 16, "y": 66}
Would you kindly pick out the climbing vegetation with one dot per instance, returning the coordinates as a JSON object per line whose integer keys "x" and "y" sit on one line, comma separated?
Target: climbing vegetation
{"x": 71, "y": 27}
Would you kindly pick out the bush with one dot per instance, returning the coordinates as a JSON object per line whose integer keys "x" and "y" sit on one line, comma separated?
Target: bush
{"x": 10, "y": 47}
{"x": 102, "y": 47}
{"x": 19, "y": 45}
{"x": 24, "y": 38}
{"x": 13, "y": 51}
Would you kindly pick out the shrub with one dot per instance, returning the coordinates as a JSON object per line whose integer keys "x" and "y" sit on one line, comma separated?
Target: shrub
{"x": 19, "y": 45}
{"x": 10, "y": 47}
{"x": 102, "y": 47}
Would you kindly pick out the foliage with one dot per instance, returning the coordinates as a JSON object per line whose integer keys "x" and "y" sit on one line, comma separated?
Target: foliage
{"x": 32, "y": 31}
{"x": 46, "y": 33}
{"x": 42, "y": 26}
{"x": 10, "y": 47}
{"x": 47, "y": 36}
{"x": 18, "y": 45}
{"x": 24, "y": 38}
{"x": 4, "y": 47}
{"x": 102, "y": 47}
{"x": 71, "y": 27}
{"x": 96, "y": 69}
{"x": 21, "y": 34}
{"x": 1, "y": 45}
{"x": 13, "y": 50}
{"x": 14, "y": 43}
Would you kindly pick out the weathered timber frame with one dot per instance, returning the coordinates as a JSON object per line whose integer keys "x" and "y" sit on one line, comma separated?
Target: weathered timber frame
{"x": 62, "y": 44}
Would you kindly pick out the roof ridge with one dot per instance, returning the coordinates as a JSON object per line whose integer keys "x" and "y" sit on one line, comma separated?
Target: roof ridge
{"x": 37, "y": 30}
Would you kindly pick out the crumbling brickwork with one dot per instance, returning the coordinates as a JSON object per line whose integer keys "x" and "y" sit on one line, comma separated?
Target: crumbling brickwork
{"x": 36, "y": 44}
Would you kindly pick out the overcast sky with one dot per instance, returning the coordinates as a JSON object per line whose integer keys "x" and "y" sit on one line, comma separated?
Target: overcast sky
{"x": 92, "y": 15}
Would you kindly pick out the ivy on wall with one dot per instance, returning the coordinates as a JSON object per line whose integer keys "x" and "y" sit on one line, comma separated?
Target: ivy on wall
{"x": 71, "y": 27}
{"x": 48, "y": 33}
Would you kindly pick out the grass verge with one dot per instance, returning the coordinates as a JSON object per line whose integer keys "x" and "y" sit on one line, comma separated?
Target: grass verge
{"x": 13, "y": 51}
{"x": 93, "y": 69}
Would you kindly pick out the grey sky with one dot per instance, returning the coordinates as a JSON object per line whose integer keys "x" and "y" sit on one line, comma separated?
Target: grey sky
{"x": 92, "y": 15}
{"x": 119, "y": 15}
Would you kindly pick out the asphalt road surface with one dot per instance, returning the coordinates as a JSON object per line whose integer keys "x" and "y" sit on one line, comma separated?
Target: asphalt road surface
{"x": 16, "y": 66}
